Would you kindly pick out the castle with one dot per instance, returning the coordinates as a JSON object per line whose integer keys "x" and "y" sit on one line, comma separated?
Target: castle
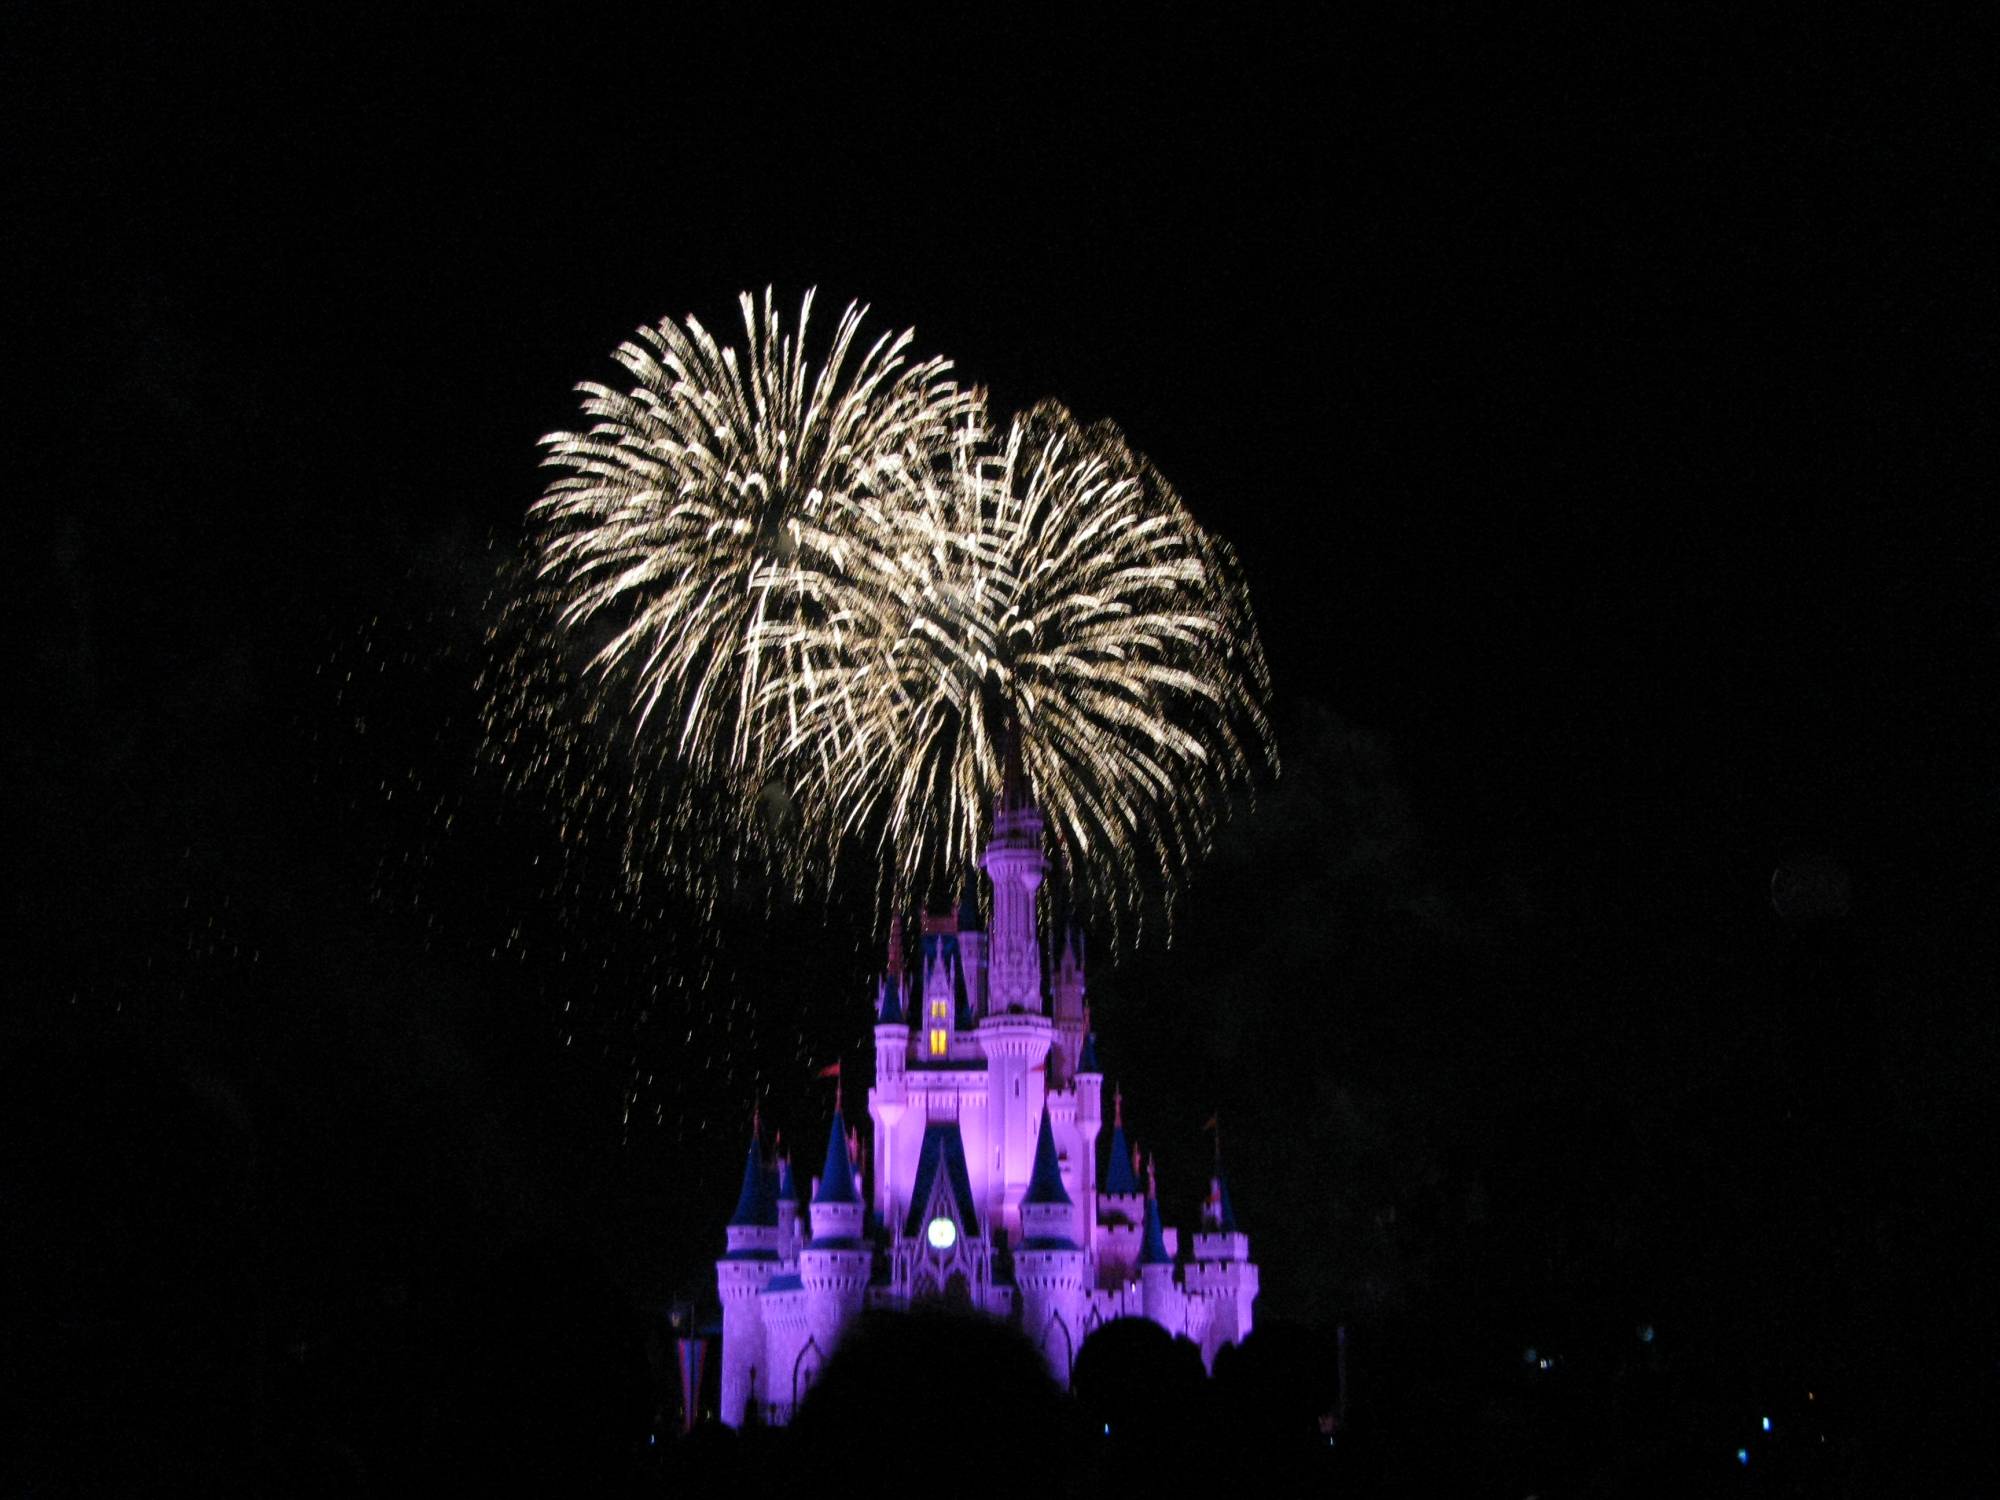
{"x": 984, "y": 1191}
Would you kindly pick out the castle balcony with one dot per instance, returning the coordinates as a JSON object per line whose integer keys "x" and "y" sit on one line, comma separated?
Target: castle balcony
{"x": 1016, "y": 1034}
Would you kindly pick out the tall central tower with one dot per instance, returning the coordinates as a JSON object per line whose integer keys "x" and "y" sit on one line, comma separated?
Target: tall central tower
{"x": 1014, "y": 862}
{"x": 1015, "y": 1034}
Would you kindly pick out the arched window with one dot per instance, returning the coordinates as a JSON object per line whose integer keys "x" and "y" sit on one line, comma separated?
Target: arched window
{"x": 805, "y": 1370}
{"x": 1062, "y": 1348}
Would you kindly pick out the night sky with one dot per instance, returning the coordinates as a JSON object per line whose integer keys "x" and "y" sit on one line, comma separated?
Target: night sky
{"x": 1595, "y": 409}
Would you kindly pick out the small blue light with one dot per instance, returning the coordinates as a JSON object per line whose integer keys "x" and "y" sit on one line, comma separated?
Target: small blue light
{"x": 1743, "y": 1456}
{"x": 1529, "y": 1357}
{"x": 1645, "y": 1333}
{"x": 1767, "y": 1424}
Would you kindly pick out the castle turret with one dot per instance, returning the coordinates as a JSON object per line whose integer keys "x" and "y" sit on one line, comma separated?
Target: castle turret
{"x": 1089, "y": 1121}
{"x": 741, "y": 1275}
{"x": 1121, "y": 1206}
{"x": 889, "y": 1098}
{"x": 834, "y": 1263}
{"x": 1015, "y": 1034}
{"x": 1156, "y": 1264}
{"x": 1221, "y": 1272}
{"x": 1048, "y": 1267}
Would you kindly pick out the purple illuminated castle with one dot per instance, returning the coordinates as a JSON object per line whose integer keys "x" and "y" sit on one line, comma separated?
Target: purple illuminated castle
{"x": 985, "y": 1190}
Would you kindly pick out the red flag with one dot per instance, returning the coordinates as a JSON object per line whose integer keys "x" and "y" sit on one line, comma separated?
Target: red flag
{"x": 831, "y": 1070}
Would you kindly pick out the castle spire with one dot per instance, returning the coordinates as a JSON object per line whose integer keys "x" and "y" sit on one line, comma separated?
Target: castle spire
{"x": 836, "y": 1178}
{"x": 1153, "y": 1249}
{"x": 1045, "y": 1185}
{"x": 1119, "y": 1177}
{"x": 755, "y": 1207}
{"x": 889, "y": 1003}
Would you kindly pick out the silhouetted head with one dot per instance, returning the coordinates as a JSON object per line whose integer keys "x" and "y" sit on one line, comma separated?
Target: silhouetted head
{"x": 1135, "y": 1379}
{"x": 931, "y": 1401}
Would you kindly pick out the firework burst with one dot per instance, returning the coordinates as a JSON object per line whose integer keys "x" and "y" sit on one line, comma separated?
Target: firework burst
{"x": 775, "y": 617}
{"x": 720, "y": 504}
{"x": 1058, "y": 582}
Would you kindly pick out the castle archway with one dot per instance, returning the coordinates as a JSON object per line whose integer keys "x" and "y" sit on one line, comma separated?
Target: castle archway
{"x": 805, "y": 1370}
{"x": 1062, "y": 1348}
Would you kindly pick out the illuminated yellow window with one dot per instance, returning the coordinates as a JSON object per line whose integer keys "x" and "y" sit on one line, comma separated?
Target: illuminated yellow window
{"x": 937, "y": 1010}
{"x": 937, "y": 1043}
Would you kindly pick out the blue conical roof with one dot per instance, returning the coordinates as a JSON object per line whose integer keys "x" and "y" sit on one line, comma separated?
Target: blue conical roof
{"x": 755, "y": 1207}
{"x": 1118, "y": 1175}
{"x": 1153, "y": 1249}
{"x": 836, "y": 1178}
{"x": 1225, "y": 1210}
{"x": 1045, "y": 1184}
{"x": 892, "y": 1003}
{"x": 1086, "y": 1061}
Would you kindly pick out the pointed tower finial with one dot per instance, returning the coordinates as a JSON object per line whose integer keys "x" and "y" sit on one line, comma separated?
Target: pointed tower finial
{"x": 1152, "y": 1182}
{"x": 1117, "y": 1107}
{"x": 895, "y": 945}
